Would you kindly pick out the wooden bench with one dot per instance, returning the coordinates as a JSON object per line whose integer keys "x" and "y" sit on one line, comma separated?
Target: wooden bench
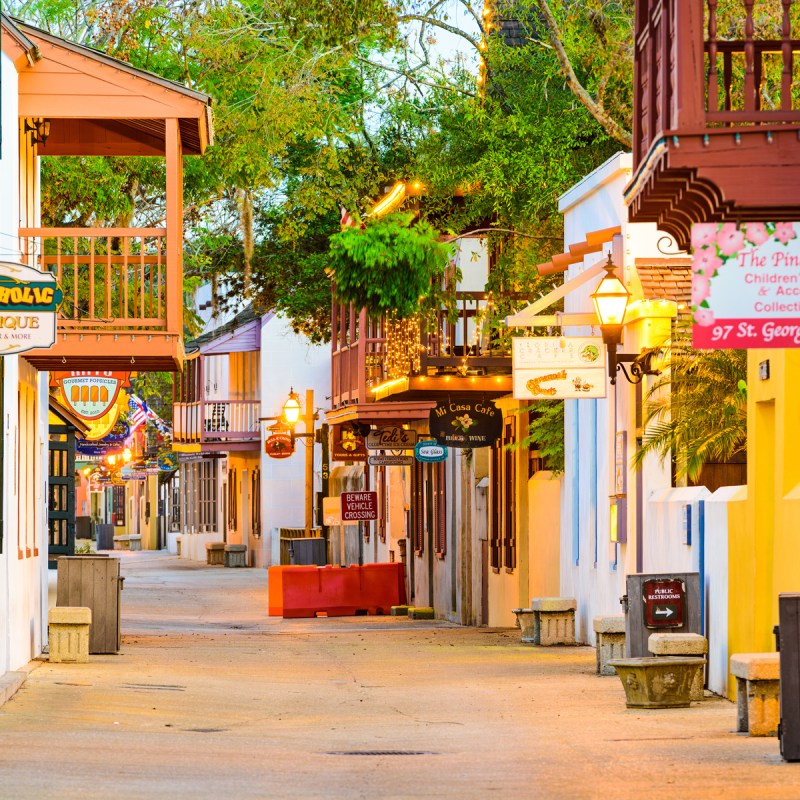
{"x": 215, "y": 553}
{"x": 758, "y": 683}
{"x": 681, "y": 644}
{"x": 609, "y": 634}
{"x": 128, "y": 541}
{"x": 554, "y": 620}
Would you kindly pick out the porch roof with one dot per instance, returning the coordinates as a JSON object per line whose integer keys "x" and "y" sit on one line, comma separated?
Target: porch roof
{"x": 99, "y": 105}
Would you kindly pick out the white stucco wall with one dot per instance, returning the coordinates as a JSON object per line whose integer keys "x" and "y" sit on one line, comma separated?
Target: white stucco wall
{"x": 593, "y": 569}
{"x": 288, "y": 361}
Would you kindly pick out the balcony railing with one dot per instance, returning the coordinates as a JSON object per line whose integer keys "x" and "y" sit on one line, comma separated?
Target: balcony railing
{"x": 113, "y": 279}
{"x": 216, "y": 421}
{"x": 697, "y": 70}
{"x": 365, "y": 352}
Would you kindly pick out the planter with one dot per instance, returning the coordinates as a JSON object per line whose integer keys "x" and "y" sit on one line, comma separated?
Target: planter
{"x": 664, "y": 682}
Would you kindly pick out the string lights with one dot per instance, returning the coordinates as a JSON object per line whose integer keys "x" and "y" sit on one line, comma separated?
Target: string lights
{"x": 403, "y": 349}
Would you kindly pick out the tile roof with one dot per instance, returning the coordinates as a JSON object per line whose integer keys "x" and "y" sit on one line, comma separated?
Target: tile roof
{"x": 666, "y": 279}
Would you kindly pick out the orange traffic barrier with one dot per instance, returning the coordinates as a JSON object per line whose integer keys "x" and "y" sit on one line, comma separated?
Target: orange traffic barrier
{"x": 309, "y": 591}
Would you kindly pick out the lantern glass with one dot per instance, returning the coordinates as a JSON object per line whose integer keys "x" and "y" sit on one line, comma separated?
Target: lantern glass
{"x": 611, "y": 298}
{"x": 291, "y": 408}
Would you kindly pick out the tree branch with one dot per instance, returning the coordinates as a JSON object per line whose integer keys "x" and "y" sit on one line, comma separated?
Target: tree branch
{"x": 609, "y": 125}
{"x": 414, "y": 79}
{"x": 437, "y": 23}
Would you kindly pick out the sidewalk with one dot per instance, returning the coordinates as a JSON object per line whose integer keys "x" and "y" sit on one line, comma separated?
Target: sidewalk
{"x": 210, "y": 698}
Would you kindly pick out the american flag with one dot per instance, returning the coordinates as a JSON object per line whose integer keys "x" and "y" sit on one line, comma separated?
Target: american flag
{"x": 346, "y": 220}
{"x": 140, "y": 415}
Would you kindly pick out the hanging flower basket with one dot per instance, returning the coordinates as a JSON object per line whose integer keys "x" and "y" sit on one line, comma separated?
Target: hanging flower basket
{"x": 390, "y": 266}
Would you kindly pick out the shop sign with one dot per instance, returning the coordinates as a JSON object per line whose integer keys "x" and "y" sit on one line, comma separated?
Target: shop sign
{"x": 279, "y": 445}
{"x": 391, "y": 438}
{"x": 110, "y": 443}
{"x": 129, "y": 473}
{"x": 663, "y": 603}
{"x": 359, "y": 506}
{"x": 96, "y": 483}
{"x": 746, "y": 285}
{"x": 29, "y": 302}
{"x": 347, "y": 444}
{"x": 466, "y": 423}
{"x": 90, "y": 394}
{"x": 390, "y": 461}
{"x": 429, "y": 451}
{"x": 168, "y": 462}
{"x": 558, "y": 367}
{"x": 331, "y": 510}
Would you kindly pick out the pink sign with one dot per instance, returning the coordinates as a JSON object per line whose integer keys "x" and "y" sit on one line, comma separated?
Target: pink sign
{"x": 746, "y": 285}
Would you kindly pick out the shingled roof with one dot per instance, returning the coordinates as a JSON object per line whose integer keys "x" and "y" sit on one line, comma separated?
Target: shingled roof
{"x": 666, "y": 279}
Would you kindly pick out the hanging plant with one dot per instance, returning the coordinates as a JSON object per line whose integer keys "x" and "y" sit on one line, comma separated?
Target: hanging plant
{"x": 391, "y": 266}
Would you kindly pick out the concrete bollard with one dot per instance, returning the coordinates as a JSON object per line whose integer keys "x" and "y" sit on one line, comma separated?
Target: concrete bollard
{"x": 681, "y": 644}
{"x": 68, "y": 633}
{"x": 610, "y": 635}
{"x": 555, "y": 620}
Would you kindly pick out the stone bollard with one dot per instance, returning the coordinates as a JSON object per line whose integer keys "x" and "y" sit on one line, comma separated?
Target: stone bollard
{"x": 554, "y": 620}
{"x": 215, "y": 552}
{"x": 681, "y": 644}
{"x": 610, "y": 635}
{"x": 68, "y": 633}
{"x": 235, "y": 555}
{"x": 758, "y": 683}
{"x": 526, "y": 622}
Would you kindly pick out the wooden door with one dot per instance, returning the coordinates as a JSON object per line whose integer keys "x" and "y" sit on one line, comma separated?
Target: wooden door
{"x": 61, "y": 492}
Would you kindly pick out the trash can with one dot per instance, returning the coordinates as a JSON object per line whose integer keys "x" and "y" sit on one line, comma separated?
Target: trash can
{"x": 105, "y": 536}
{"x": 308, "y": 552}
{"x": 93, "y": 581}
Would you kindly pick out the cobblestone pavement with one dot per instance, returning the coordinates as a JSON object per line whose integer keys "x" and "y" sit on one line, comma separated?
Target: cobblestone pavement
{"x": 210, "y": 698}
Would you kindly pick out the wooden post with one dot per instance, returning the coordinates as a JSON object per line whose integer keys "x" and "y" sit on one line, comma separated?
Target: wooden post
{"x": 688, "y": 102}
{"x": 174, "y": 279}
{"x": 308, "y": 419}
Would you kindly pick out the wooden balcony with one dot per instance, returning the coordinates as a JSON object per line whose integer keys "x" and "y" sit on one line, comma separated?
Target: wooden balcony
{"x": 118, "y": 300}
{"x": 376, "y": 360}
{"x": 716, "y": 118}
{"x": 217, "y": 425}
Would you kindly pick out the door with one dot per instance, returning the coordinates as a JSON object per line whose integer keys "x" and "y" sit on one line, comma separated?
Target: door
{"x": 61, "y": 492}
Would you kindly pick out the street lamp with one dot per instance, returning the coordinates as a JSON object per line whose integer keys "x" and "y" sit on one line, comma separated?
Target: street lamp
{"x": 290, "y": 417}
{"x": 610, "y": 300}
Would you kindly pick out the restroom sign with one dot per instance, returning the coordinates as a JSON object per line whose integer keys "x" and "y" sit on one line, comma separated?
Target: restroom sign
{"x": 664, "y": 602}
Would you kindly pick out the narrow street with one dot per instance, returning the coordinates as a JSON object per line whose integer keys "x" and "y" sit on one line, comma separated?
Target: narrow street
{"x": 209, "y": 697}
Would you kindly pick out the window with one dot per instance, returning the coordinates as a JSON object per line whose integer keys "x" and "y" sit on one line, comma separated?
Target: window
{"x": 118, "y": 504}
{"x": 503, "y": 532}
{"x": 429, "y": 506}
{"x": 208, "y": 495}
{"x": 233, "y": 492}
{"x": 255, "y": 501}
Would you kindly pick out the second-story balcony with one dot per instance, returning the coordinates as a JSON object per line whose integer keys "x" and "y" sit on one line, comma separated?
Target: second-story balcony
{"x": 375, "y": 360}
{"x": 716, "y": 113}
{"x": 123, "y": 287}
{"x": 216, "y": 406}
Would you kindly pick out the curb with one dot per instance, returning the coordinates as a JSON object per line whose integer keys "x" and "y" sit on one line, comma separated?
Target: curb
{"x": 12, "y": 682}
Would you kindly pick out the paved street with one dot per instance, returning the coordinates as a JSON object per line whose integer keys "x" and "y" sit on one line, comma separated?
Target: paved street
{"x": 211, "y": 698}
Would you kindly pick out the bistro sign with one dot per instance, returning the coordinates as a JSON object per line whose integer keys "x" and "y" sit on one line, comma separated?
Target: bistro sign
{"x": 465, "y": 423}
{"x": 29, "y": 302}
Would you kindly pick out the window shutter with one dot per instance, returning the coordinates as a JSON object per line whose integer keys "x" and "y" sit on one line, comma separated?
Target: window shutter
{"x": 440, "y": 513}
{"x": 495, "y": 516}
{"x": 510, "y": 541}
{"x": 418, "y": 506}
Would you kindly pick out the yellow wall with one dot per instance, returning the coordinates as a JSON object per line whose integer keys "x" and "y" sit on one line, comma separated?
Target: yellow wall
{"x": 763, "y": 540}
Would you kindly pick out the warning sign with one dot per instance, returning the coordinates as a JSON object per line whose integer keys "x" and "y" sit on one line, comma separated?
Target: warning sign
{"x": 664, "y": 601}
{"x": 359, "y": 506}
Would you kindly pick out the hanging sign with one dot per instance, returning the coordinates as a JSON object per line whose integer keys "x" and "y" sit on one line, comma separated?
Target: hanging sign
{"x": 393, "y": 438}
{"x": 746, "y": 285}
{"x": 96, "y": 483}
{"x": 558, "y": 367}
{"x": 90, "y": 394}
{"x": 168, "y": 462}
{"x": 129, "y": 473}
{"x": 279, "y": 445}
{"x": 390, "y": 461}
{"x": 347, "y": 445}
{"x": 466, "y": 423}
{"x": 111, "y": 442}
{"x": 29, "y": 302}
{"x": 429, "y": 451}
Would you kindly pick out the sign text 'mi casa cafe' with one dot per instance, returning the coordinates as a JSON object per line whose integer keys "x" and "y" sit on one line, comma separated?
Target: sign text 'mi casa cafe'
{"x": 746, "y": 285}
{"x": 29, "y": 302}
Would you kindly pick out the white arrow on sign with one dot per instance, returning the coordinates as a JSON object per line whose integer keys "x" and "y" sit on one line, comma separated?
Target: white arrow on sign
{"x": 664, "y": 612}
